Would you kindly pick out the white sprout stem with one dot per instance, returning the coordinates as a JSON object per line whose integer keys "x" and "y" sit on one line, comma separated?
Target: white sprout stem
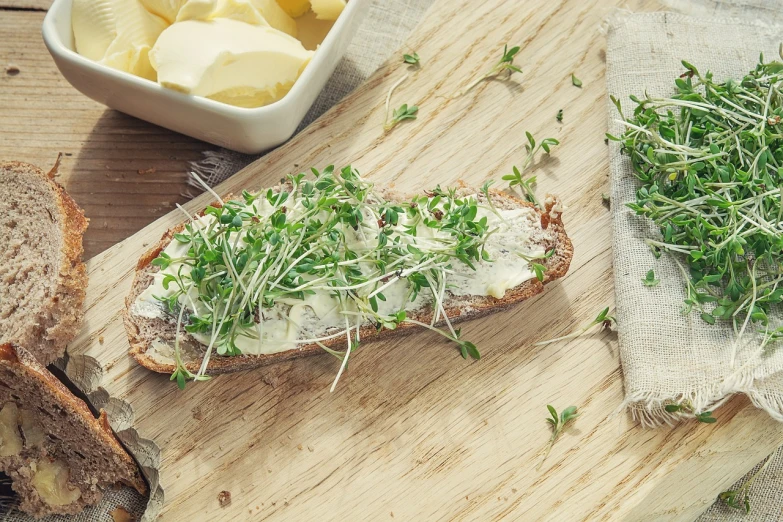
{"x": 389, "y": 97}
{"x": 206, "y": 187}
{"x": 345, "y": 359}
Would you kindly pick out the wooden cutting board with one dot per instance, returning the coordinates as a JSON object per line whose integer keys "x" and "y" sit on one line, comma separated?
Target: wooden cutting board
{"x": 414, "y": 432}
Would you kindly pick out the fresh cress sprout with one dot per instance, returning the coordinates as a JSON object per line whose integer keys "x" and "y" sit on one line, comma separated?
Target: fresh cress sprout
{"x": 558, "y": 424}
{"x": 401, "y": 114}
{"x": 739, "y": 498}
{"x": 506, "y": 63}
{"x": 604, "y": 318}
{"x": 516, "y": 179}
{"x": 710, "y": 162}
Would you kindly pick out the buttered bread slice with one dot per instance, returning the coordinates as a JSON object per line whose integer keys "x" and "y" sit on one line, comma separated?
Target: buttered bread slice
{"x": 326, "y": 260}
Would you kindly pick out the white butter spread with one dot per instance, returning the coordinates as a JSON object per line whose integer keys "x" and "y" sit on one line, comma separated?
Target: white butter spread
{"x": 514, "y": 242}
{"x": 248, "y": 65}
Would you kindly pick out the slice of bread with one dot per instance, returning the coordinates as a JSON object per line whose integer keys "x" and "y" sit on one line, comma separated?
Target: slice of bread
{"x": 58, "y": 455}
{"x": 152, "y": 339}
{"x": 42, "y": 277}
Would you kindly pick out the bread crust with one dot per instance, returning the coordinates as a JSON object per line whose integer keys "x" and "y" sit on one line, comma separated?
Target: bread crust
{"x": 556, "y": 267}
{"x": 61, "y": 318}
{"x": 16, "y": 358}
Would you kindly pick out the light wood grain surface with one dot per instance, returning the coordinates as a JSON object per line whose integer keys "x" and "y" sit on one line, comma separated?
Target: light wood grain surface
{"x": 413, "y": 432}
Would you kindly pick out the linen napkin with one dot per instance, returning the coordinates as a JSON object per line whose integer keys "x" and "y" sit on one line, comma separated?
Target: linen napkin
{"x": 667, "y": 356}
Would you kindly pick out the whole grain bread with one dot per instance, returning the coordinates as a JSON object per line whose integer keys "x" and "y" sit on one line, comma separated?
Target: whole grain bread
{"x": 42, "y": 277}
{"x": 57, "y": 454}
{"x": 144, "y": 333}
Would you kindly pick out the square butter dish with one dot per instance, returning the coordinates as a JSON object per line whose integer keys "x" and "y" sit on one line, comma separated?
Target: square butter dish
{"x": 245, "y": 130}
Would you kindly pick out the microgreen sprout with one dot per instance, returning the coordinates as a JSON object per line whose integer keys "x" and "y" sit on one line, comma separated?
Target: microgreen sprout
{"x": 404, "y": 112}
{"x": 401, "y": 114}
{"x": 506, "y": 63}
{"x": 739, "y": 498}
{"x": 710, "y": 162}
{"x": 558, "y": 424}
{"x": 411, "y": 59}
{"x": 604, "y": 318}
{"x": 649, "y": 280}
{"x": 516, "y": 179}
{"x": 576, "y": 82}
{"x": 686, "y": 408}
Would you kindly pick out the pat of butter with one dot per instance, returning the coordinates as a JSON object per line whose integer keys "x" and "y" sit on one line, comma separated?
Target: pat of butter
{"x": 166, "y": 9}
{"x": 327, "y": 9}
{"x": 116, "y": 33}
{"x": 229, "y": 61}
{"x": 294, "y": 8}
{"x": 50, "y": 480}
{"x": 256, "y": 12}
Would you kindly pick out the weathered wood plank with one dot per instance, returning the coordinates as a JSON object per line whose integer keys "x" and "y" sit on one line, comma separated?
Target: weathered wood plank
{"x": 42, "y": 5}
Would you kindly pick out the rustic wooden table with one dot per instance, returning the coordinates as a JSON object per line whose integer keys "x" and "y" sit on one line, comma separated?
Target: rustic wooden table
{"x": 610, "y": 468}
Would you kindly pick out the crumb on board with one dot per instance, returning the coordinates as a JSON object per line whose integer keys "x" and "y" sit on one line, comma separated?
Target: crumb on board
{"x": 12, "y": 69}
{"x": 100, "y": 340}
{"x": 299, "y": 447}
{"x": 310, "y": 448}
{"x": 151, "y": 170}
{"x": 120, "y": 514}
{"x": 224, "y": 498}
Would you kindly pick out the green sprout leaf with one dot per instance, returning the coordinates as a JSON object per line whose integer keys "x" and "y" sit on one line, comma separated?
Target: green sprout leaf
{"x": 411, "y": 59}
{"x": 649, "y": 280}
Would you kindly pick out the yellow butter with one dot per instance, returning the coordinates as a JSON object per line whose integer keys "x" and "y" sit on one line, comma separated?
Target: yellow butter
{"x": 116, "y": 33}
{"x": 294, "y": 8}
{"x": 230, "y": 61}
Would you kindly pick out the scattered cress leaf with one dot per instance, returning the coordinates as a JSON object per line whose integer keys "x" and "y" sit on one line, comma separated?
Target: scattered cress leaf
{"x": 649, "y": 280}
{"x": 558, "y": 423}
{"x": 506, "y": 63}
{"x": 411, "y": 59}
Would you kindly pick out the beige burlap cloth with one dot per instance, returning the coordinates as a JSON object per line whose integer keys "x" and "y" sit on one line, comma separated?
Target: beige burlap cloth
{"x": 665, "y": 355}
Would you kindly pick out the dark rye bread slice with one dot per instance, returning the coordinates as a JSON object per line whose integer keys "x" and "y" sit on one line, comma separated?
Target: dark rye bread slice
{"x": 143, "y": 332}
{"x": 57, "y": 454}
{"x": 42, "y": 277}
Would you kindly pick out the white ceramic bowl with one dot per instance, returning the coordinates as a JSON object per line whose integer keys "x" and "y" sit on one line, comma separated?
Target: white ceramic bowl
{"x": 244, "y": 130}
